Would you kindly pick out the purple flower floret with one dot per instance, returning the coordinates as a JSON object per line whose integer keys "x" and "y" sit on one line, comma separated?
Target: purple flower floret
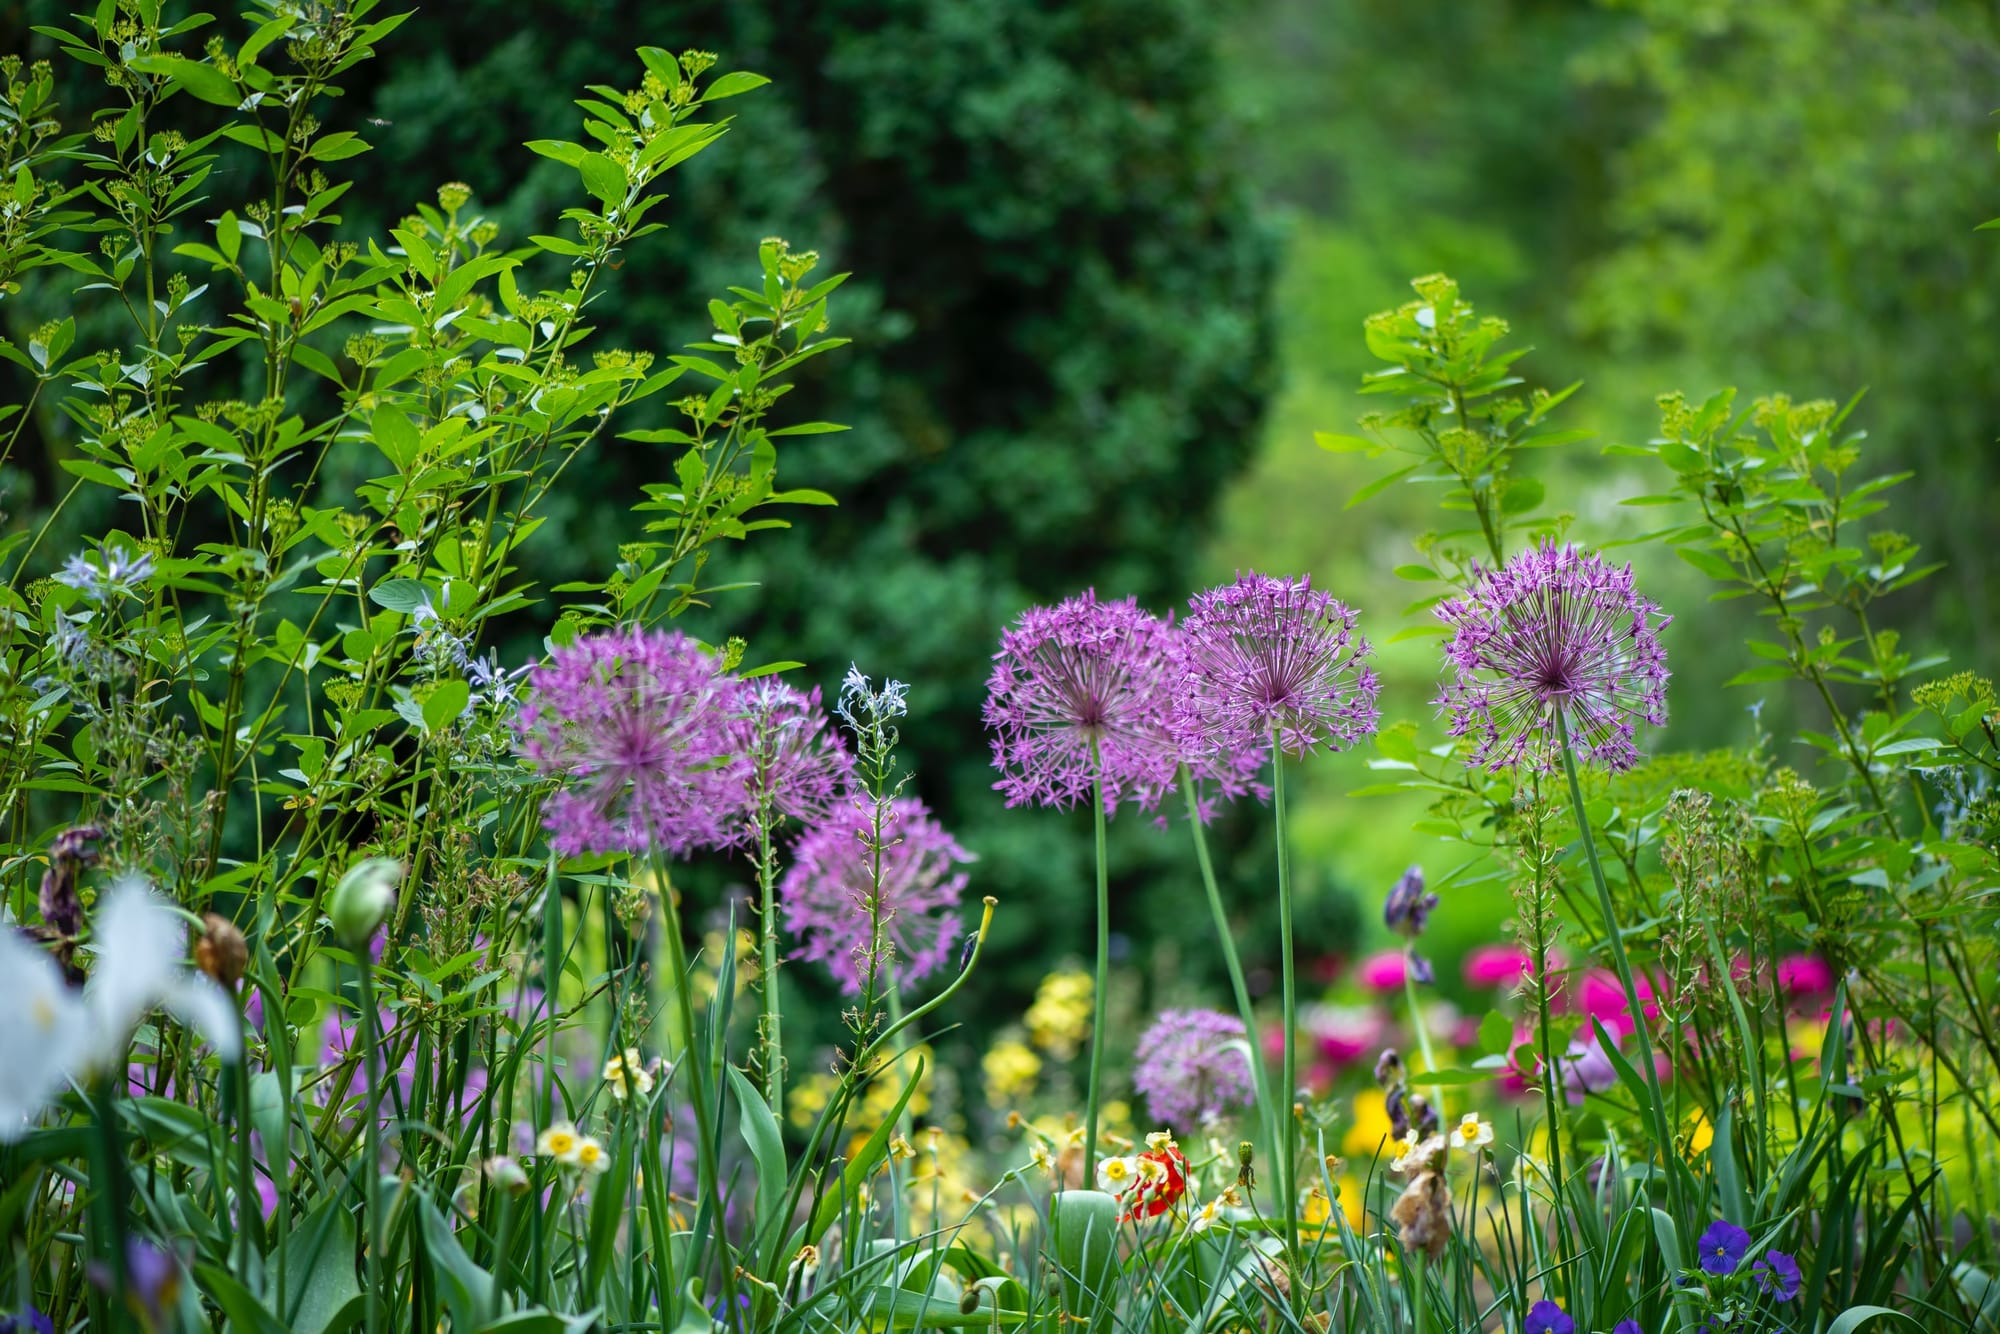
{"x": 1627, "y": 1326}
{"x": 797, "y": 762}
{"x": 1778, "y": 1274}
{"x": 1274, "y": 655}
{"x": 1557, "y": 629}
{"x": 826, "y": 892}
{"x": 1547, "y": 1317}
{"x": 1188, "y": 1070}
{"x": 1408, "y": 908}
{"x": 645, "y": 729}
{"x": 1079, "y": 690}
{"x": 1722, "y": 1248}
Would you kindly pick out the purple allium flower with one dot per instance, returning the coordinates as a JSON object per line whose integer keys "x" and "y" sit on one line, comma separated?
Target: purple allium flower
{"x": 1274, "y": 655}
{"x": 152, "y": 1280}
{"x": 1546, "y": 1317}
{"x": 827, "y": 889}
{"x": 1556, "y": 629}
{"x": 797, "y": 762}
{"x": 1191, "y": 1066}
{"x": 1778, "y": 1274}
{"x": 1082, "y": 691}
{"x": 1627, "y": 1326}
{"x": 646, "y": 729}
{"x": 1586, "y": 1069}
{"x": 1408, "y": 908}
{"x": 1223, "y": 769}
{"x": 1722, "y": 1248}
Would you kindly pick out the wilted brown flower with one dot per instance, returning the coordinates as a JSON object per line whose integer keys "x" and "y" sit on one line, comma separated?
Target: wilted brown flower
{"x": 221, "y": 952}
{"x": 1423, "y": 1212}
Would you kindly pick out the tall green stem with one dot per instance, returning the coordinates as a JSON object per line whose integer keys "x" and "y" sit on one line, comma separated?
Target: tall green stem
{"x": 1098, "y": 993}
{"x": 1423, "y": 1034}
{"x": 1662, "y": 1128}
{"x": 371, "y": 1129}
{"x": 1288, "y": 1137}
{"x": 1260, "y": 1075}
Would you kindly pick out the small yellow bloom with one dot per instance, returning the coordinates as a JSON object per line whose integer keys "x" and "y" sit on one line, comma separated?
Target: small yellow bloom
{"x": 1413, "y": 1155}
{"x": 626, "y": 1074}
{"x": 591, "y": 1157}
{"x": 1116, "y": 1175}
{"x": 559, "y": 1142}
{"x": 1010, "y": 1068}
{"x": 899, "y": 1149}
{"x": 1371, "y": 1125}
{"x": 1700, "y": 1134}
{"x": 1039, "y": 1155}
{"x": 1207, "y": 1216}
{"x": 1472, "y": 1133}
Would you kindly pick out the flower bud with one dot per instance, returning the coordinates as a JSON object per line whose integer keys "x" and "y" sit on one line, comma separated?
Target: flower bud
{"x": 221, "y": 952}
{"x": 362, "y": 900}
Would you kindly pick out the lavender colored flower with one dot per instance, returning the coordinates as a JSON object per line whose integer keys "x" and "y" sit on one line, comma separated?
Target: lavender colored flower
{"x": 1081, "y": 692}
{"x": 1223, "y": 768}
{"x": 1274, "y": 655}
{"x": 645, "y": 729}
{"x": 1557, "y": 629}
{"x": 1192, "y": 1068}
{"x": 1627, "y": 1326}
{"x": 798, "y": 765}
{"x": 1408, "y": 908}
{"x": 827, "y": 889}
{"x": 115, "y": 575}
{"x": 1547, "y": 1317}
{"x": 1586, "y": 1069}
{"x": 152, "y": 1280}
{"x": 29, "y": 1321}
{"x": 1777, "y": 1274}
{"x": 1722, "y": 1248}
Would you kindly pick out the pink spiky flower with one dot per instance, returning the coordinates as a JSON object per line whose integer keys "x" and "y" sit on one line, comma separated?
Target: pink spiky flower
{"x": 1274, "y": 656}
{"x": 826, "y": 892}
{"x": 798, "y": 766}
{"x": 1557, "y": 630}
{"x": 1082, "y": 691}
{"x": 644, "y": 730}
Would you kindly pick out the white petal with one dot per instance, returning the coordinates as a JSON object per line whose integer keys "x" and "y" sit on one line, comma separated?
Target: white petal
{"x": 206, "y": 1008}
{"x": 41, "y": 1030}
{"x": 139, "y": 943}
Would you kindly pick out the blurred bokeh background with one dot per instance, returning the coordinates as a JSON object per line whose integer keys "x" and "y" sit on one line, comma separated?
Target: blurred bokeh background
{"x": 1111, "y": 260}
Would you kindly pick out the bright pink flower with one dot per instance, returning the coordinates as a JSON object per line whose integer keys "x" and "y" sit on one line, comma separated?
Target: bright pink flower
{"x": 1804, "y": 975}
{"x": 1602, "y": 997}
{"x": 1384, "y": 971}
{"x": 1496, "y": 966}
{"x": 1343, "y": 1034}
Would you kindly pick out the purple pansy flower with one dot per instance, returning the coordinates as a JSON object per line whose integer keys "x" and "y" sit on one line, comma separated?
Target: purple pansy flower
{"x": 1547, "y": 1317}
{"x": 1722, "y": 1248}
{"x": 1556, "y": 630}
{"x": 1777, "y": 1274}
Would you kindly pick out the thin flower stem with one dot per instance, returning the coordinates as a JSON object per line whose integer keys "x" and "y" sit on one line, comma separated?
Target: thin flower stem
{"x": 1423, "y": 1036}
{"x": 774, "y": 1044}
{"x": 1260, "y": 1074}
{"x": 1098, "y": 997}
{"x": 1288, "y": 1138}
{"x": 371, "y": 1154}
{"x": 1662, "y": 1128}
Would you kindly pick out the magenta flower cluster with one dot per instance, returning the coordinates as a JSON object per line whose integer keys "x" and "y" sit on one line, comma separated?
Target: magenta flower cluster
{"x": 1193, "y": 1067}
{"x": 1089, "y": 692}
{"x": 827, "y": 892}
{"x": 1558, "y": 631}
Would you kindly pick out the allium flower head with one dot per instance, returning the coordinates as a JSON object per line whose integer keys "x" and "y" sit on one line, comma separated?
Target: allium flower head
{"x": 1557, "y": 629}
{"x": 1722, "y": 1248}
{"x": 1275, "y": 655}
{"x": 1191, "y": 1067}
{"x": 827, "y": 889}
{"x": 797, "y": 761}
{"x": 1079, "y": 691}
{"x": 644, "y": 727}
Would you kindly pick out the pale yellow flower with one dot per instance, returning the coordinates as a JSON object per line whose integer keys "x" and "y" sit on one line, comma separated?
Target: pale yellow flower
{"x": 560, "y": 1142}
{"x": 626, "y": 1074}
{"x": 591, "y": 1157}
{"x": 1115, "y": 1176}
{"x": 1472, "y": 1133}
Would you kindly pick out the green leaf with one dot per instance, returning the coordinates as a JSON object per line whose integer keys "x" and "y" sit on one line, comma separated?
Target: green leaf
{"x": 192, "y": 77}
{"x": 1378, "y": 486}
{"x": 444, "y": 704}
{"x": 1334, "y": 443}
{"x": 767, "y": 1146}
{"x": 1084, "y": 1225}
{"x": 1496, "y": 1030}
{"x": 318, "y": 1260}
{"x": 403, "y": 595}
{"x": 1909, "y": 746}
{"x": 1854, "y": 1317}
{"x": 732, "y": 84}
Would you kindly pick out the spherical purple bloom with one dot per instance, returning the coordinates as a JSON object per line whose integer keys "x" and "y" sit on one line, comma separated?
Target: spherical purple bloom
{"x": 1557, "y": 629}
{"x": 646, "y": 731}
{"x": 1586, "y": 1069}
{"x": 1778, "y": 1274}
{"x": 827, "y": 890}
{"x": 1192, "y": 1068}
{"x": 1407, "y": 910}
{"x": 1223, "y": 768}
{"x": 1274, "y": 655}
{"x": 1547, "y": 1317}
{"x": 1722, "y": 1248}
{"x": 798, "y": 765}
{"x": 1082, "y": 691}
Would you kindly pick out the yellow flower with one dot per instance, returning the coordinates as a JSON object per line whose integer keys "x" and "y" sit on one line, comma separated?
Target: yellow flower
{"x": 1413, "y": 1155}
{"x": 1207, "y": 1216}
{"x": 899, "y": 1148}
{"x": 1039, "y": 1155}
{"x": 591, "y": 1157}
{"x": 559, "y": 1142}
{"x": 1116, "y": 1175}
{"x": 1371, "y": 1125}
{"x": 1011, "y": 1068}
{"x": 1059, "y": 1019}
{"x": 1700, "y": 1134}
{"x": 1350, "y": 1200}
{"x": 627, "y": 1074}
